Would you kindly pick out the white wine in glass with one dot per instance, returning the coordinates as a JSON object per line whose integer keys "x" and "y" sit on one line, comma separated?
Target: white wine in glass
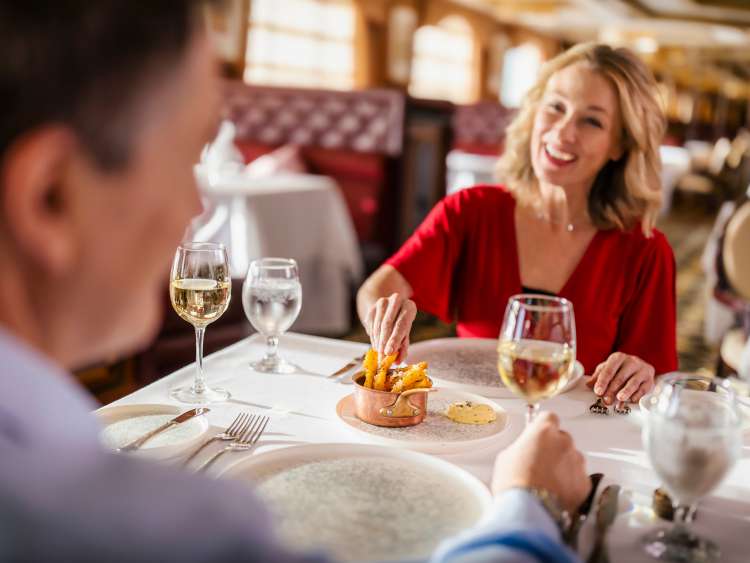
{"x": 537, "y": 348}
{"x": 200, "y": 290}
{"x": 200, "y": 301}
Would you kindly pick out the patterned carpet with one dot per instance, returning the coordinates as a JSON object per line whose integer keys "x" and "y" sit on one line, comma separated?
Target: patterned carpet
{"x": 687, "y": 231}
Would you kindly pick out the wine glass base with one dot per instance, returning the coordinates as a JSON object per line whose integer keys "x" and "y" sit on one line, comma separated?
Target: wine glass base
{"x": 680, "y": 545}
{"x": 208, "y": 395}
{"x": 273, "y": 365}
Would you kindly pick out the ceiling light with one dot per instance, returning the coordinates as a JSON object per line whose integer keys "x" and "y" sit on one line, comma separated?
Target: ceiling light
{"x": 646, "y": 45}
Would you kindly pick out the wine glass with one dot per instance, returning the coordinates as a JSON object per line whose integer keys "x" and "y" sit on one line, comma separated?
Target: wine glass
{"x": 272, "y": 298}
{"x": 537, "y": 348}
{"x": 200, "y": 289}
{"x": 692, "y": 437}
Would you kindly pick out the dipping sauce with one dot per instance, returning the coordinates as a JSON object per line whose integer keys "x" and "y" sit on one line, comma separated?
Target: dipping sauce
{"x": 466, "y": 412}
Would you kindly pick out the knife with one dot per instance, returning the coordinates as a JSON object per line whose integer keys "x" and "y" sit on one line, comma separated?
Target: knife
{"x": 605, "y": 515}
{"x": 138, "y": 442}
{"x": 583, "y": 511}
{"x": 348, "y": 366}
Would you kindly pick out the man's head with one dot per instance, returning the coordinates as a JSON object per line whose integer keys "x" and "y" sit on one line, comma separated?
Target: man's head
{"x": 105, "y": 107}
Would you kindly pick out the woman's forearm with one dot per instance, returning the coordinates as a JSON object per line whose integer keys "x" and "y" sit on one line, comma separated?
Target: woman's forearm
{"x": 383, "y": 282}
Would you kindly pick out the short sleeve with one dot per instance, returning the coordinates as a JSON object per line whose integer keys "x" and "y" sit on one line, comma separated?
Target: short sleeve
{"x": 428, "y": 258}
{"x": 647, "y": 327}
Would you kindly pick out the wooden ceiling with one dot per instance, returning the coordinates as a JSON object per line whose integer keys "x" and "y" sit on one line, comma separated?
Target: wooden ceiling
{"x": 706, "y": 42}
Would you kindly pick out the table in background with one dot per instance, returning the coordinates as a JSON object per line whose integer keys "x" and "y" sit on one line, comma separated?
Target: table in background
{"x": 300, "y": 216}
{"x": 302, "y": 408}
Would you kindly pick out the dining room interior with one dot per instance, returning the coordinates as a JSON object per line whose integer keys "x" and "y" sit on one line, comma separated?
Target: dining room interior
{"x": 350, "y": 133}
{"x": 345, "y": 122}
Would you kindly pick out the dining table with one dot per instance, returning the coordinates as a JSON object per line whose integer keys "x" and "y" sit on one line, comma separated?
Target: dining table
{"x": 302, "y": 410}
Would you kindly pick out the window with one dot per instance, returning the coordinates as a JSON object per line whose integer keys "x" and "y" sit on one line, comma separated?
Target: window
{"x": 520, "y": 68}
{"x": 443, "y": 67}
{"x": 307, "y": 43}
{"x": 401, "y": 26}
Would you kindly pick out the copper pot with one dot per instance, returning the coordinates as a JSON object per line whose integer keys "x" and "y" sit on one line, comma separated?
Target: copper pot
{"x": 383, "y": 408}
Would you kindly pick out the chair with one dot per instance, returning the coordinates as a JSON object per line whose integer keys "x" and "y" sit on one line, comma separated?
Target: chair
{"x": 733, "y": 288}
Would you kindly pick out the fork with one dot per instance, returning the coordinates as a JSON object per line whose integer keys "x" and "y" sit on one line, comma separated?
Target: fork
{"x": 248, "y": 439}
{"x": 233, "y": 431}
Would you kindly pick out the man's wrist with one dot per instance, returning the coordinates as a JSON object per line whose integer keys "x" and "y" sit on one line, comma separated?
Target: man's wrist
{"x": 552, "y": 506}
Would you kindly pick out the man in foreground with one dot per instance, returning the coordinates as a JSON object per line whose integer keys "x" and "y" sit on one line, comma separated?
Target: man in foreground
{"x": 105, "y": 107}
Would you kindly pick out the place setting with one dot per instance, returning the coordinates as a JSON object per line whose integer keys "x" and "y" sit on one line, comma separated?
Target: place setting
{"x": 399, "y": 406}
{"x": 167, "y": 433}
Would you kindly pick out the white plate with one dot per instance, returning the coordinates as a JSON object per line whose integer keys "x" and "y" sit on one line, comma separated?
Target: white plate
{"x": 364, "y": 503}
{"x": 436, "y": 434}
{"x": 123, "y": 424}
{"x": 469, "y": 364}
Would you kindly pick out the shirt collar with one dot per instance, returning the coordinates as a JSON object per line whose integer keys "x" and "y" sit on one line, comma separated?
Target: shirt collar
{"x": 39, "y": 401}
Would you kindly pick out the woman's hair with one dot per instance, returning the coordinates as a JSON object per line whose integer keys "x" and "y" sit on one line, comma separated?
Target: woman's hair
{"x": 627, "y": 190}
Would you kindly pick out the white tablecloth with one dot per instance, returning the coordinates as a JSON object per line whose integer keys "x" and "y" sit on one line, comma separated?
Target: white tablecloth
{"x": 302, "y": 408}
{"x": 300, "y": 216}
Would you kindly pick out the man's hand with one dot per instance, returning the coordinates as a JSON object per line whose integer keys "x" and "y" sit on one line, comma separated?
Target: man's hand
{"x": 544, "y": 457}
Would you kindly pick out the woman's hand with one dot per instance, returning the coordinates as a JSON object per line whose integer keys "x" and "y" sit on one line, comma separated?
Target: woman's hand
{"x": 622, "y": 377}
{"x": 388, "y": 323}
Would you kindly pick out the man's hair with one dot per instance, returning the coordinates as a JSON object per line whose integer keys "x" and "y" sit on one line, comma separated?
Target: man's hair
{"x": 85, "y": 64}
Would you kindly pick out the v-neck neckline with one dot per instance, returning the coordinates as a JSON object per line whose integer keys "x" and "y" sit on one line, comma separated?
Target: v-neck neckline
{"x": 564, "y": 291}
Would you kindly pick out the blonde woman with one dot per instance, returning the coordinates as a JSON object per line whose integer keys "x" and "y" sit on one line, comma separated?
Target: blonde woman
{"x": 575, "y": 218}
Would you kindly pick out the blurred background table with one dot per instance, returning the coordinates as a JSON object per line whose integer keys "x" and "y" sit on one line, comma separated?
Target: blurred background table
{"x": 300, "y": 216}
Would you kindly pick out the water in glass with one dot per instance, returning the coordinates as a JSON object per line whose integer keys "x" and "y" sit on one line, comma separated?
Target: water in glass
{"x": 272, "y": 299}
{"x": 693, "y": 437}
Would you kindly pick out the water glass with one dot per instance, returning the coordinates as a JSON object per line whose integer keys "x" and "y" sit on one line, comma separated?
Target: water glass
{"x": 692, "y": 437}
{"x": 272, "y": 299}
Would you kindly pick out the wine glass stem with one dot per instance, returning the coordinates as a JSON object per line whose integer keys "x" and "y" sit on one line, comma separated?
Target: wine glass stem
{"x": 532, "y": 409}
{"x": 272, "y": 347}
{"x": 199, "y": 385}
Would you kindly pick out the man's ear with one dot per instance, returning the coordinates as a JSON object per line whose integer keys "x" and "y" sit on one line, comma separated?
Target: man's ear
{"x": 35, "y": 210}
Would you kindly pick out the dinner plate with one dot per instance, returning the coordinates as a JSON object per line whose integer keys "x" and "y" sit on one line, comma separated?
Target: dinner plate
{"x": 469, "y": 364}
{"x": 123, "y": 424}
{"x": 361, "y": 502}
{"x": 437, "y": 434}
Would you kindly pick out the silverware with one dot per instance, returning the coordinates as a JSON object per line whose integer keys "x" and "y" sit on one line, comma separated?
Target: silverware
{"x": 605, "y": 515}
{"x": 258, "y": 425}
{"x": 233, "y": 431}
{"x": 187, "y": 415}
{"x": 583, "y": 511}
{"x": 347, "y": 367}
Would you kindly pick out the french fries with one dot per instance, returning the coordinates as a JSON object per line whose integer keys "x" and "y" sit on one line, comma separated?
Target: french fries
{"x": 383, "y": 378}
{"x": 370, "y": 366}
